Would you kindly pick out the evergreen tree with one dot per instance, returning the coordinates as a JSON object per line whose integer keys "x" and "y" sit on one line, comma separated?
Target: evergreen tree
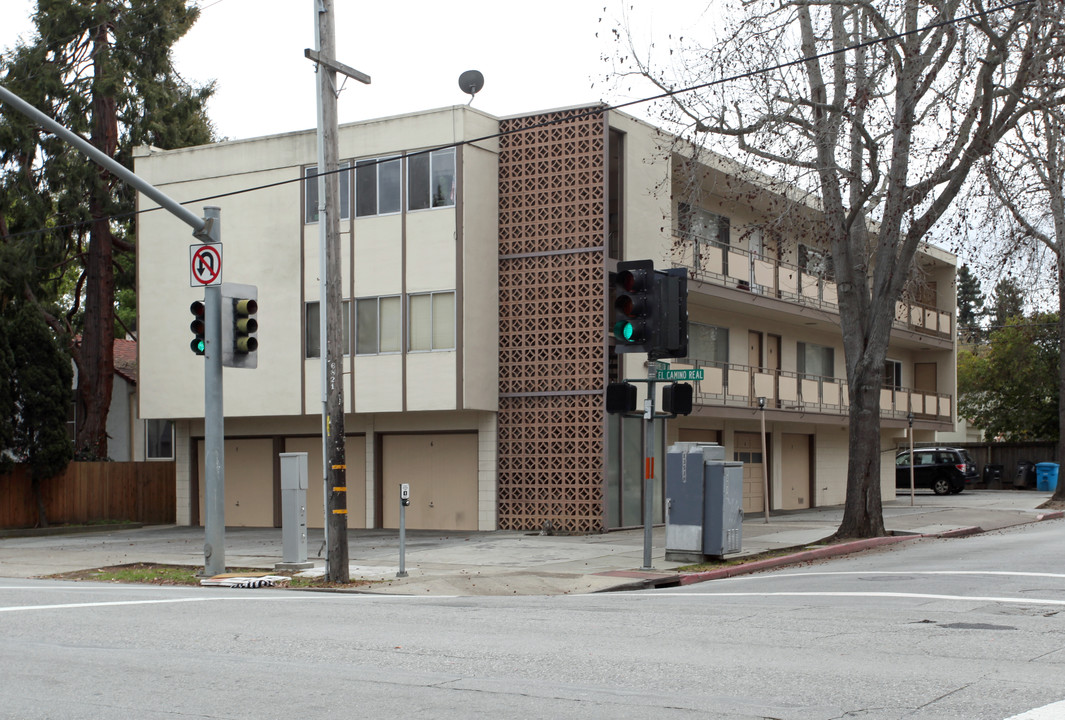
{"x": 101, "y": 68}
{"x": 1008, "y": 304}
{"x": 970, "y": 304}
{"x": 38, "y": 395}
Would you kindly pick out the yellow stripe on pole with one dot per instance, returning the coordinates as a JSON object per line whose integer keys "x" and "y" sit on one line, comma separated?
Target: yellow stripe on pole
{"x": 340, "y": 489}
{"x": 340, "y": 512}
{"x": 340, "y": 467}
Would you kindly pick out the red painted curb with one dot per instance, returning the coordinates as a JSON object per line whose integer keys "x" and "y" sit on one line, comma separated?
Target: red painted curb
{"x": 1055, "y": 515}
{"x": 796, "y": 558}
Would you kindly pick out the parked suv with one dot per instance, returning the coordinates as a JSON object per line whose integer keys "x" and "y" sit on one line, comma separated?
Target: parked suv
{"x": 942, "y": 470}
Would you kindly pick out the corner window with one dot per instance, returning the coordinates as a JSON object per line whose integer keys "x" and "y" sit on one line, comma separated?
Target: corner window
{"x": 431, "y": 322}
{"x": 708, "y": 343}
{"x": 310, "y": 192}
{"x": 377, "y": 186}
{"x": 431, "y": 179}
{"x": 159, "y": 440}
{"x": 313, "y": 332}
{"x": 377, "y": 325}
{"x": 705, "y": 230}
{"x": 816, "y": 262}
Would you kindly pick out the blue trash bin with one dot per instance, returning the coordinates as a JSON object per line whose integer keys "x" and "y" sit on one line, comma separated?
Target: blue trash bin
{"x": 1046, "y": 476}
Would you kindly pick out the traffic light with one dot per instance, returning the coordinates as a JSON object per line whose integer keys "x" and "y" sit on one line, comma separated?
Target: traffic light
{"x": 620, "y": 398}
{"x": 635, "y": 317}
{"x": 198, "y": 327}
{"x": 239, "y": 325}
{"x": 672, "y": 341}
{"x": 677, "y": 399}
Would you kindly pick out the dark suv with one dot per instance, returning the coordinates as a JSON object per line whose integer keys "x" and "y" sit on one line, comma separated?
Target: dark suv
{"x": 942, "y": 470}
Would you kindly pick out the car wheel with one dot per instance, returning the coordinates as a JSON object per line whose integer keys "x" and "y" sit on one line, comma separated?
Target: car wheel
{"x": 941, "y": 486}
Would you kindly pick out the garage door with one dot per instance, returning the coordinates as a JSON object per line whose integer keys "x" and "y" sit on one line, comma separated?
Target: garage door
{"x": 249, "y": 482}
{"x": 748, "y": 450}
{"x": 441, "y": 470}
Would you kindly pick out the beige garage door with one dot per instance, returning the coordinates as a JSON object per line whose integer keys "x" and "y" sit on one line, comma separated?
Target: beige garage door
{"x": 355, "y": 458}
{"x": 795, "y": 459}
{"x": 442, "y": 473}
{"x": 748, "y": 450}
{"x": 249, "y": 481}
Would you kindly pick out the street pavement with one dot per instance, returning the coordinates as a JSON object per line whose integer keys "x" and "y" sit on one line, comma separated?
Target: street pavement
{"x": 525, "y": 563}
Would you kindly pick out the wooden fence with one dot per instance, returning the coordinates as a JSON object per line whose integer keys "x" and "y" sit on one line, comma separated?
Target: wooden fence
{"x": 88, "y": 492}
{"x": 1009, "y": 456}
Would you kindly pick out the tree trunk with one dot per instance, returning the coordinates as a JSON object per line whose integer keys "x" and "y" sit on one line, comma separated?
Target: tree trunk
{"x": 863, "y": 513}
{"x": 96, "y": 368}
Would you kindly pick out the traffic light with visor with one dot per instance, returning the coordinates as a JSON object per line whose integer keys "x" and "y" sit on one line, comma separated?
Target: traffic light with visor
{"x": 635, "y": 315}
{"x": 239, "y": 325}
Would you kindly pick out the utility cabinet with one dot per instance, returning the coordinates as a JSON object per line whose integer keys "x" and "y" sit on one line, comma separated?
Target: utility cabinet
{"x": 704, "y": 503}
{"x": 294, "y": 511}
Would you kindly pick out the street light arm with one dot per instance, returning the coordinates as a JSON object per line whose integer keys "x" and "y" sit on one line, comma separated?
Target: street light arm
{"x": 201, "y": 229}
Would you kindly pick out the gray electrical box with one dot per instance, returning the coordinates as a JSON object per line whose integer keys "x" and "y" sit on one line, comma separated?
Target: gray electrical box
{"x": 704, "y": 502}
{"x": 294, "y": 512}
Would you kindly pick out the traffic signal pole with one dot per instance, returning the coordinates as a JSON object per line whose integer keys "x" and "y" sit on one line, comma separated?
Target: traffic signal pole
{"x": 206, "y": 230}
{"x": 649, "y": 462}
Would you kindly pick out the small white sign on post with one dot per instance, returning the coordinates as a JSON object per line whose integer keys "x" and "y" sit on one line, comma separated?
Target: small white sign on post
{"x": 205, "y": 265}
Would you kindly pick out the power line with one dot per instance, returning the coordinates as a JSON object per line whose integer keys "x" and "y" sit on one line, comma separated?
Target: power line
{"x": 599, "y": 110}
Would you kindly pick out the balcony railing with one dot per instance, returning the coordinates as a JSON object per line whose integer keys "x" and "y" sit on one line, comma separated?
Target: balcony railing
{"x": 733, "y": 385}
{"x": 743, "y": 270}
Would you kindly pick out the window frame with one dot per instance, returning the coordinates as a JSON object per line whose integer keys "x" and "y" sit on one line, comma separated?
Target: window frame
{"x": 346, "y": 334}
{"x": 310, "y": 209}
{"x": 377, "y": 322}
{"x": 431, "y": 157}
{"x": 377, "y": 163}
{"x": 150, "y": 434}
{"x": 432, "y": 321}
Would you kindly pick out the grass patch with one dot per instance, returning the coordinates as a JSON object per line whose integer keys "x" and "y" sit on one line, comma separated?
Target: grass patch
{"x": 154, "y": 574}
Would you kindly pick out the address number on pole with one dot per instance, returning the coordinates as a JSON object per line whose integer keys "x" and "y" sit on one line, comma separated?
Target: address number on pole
{"x": 205, "y": 263}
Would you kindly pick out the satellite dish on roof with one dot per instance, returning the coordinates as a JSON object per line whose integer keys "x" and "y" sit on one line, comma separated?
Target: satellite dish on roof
{"x": 471, "y": 83}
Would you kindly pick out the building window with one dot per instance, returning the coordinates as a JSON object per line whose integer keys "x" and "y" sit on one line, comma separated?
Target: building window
{"x": 314, "y": 344}
{"x": 705, "y": 230}
{"x": 159, "y": 440}
{"x": 431, "y": 321}
{"x": 816, "y": 361}
{"x": 707, "y": 343}
{"x": 377, "y": 186}
{"x": 816, "y": 262}
{"x": 377, "y": 325}
{"x": 310, "y": 192}
{"x": 431, "y": 179}
{"x": 892, "y": 374}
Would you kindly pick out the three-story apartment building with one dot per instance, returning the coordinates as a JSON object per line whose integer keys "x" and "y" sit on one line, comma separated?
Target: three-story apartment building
{"x": 476, "y": 261}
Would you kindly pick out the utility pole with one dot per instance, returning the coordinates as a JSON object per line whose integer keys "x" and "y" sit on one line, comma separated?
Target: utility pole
{"x": 334, "y": 469}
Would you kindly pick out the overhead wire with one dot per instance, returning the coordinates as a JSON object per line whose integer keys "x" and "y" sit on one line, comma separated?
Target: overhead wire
{"x": 592, "y": 111}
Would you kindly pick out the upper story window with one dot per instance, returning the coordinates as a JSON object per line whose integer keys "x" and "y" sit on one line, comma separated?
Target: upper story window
{"x": 377, "y": 325}
{"x": 704, "y": 230}
{"x": 708, "y": 343}
{"x": 431, "y": 323}
{"x": 378, "y": 186}
{"x": 816, "y": 262}
{"x": 310, "y": 192}
{"x": 314, "y": 338}
{"x": 892, "y": 374}
{"x": 431, "y": 179}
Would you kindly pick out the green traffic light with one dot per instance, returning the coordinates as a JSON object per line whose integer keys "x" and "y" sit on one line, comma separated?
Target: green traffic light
{"x": 198, "y": 346}
{"x": 624, "y": 331}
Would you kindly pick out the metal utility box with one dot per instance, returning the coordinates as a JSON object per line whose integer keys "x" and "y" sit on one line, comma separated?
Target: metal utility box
{"x": 704, "y": 502}
{"x": 294, "y": 511}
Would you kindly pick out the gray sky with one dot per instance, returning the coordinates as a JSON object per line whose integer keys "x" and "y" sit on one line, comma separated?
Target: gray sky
{"x": 413, "y": 49}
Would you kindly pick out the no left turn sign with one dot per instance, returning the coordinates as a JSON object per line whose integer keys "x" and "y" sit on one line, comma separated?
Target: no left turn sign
{"x": 206, "y": 265}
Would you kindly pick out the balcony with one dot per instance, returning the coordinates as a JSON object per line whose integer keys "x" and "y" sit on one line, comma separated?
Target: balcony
{"x": 740, "y": 269}
{"x": 739, "y": 386}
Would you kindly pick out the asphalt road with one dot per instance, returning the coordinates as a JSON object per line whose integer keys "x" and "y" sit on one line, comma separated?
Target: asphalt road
{"x": 966, "y": 628}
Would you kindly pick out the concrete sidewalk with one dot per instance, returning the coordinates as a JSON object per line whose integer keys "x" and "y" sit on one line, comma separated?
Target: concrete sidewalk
{"x": 518, "y": 563}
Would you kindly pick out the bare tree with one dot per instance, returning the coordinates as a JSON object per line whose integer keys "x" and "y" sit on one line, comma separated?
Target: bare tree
{"x": 1026, "y": 177}
{"x": 879, "y": 109}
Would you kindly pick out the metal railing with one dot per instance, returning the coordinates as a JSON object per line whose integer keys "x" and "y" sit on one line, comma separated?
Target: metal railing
{"x": 738, "y": 268}
{"x": 734, "y": 385}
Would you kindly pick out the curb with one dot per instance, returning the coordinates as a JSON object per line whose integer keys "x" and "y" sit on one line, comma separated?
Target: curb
{"x": 68, "y": 530}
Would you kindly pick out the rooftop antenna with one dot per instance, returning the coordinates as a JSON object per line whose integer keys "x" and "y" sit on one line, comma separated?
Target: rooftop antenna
{"x": 471, "y": 83}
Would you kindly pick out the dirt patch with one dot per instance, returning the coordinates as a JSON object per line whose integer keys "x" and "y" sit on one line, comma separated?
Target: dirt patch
{"x": 156, "y": 574}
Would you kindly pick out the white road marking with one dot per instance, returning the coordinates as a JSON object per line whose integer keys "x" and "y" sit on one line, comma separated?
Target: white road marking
{"x": 1053, "y": 711}
{"x": 914, "y": 596}
{"x": 1006, "y": 573}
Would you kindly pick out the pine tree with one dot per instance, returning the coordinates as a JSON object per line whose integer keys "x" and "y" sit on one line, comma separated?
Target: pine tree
{"x": 971, "y": 308}
{"x": 101, "y": 68}
{"x": 1008, "y": 303}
